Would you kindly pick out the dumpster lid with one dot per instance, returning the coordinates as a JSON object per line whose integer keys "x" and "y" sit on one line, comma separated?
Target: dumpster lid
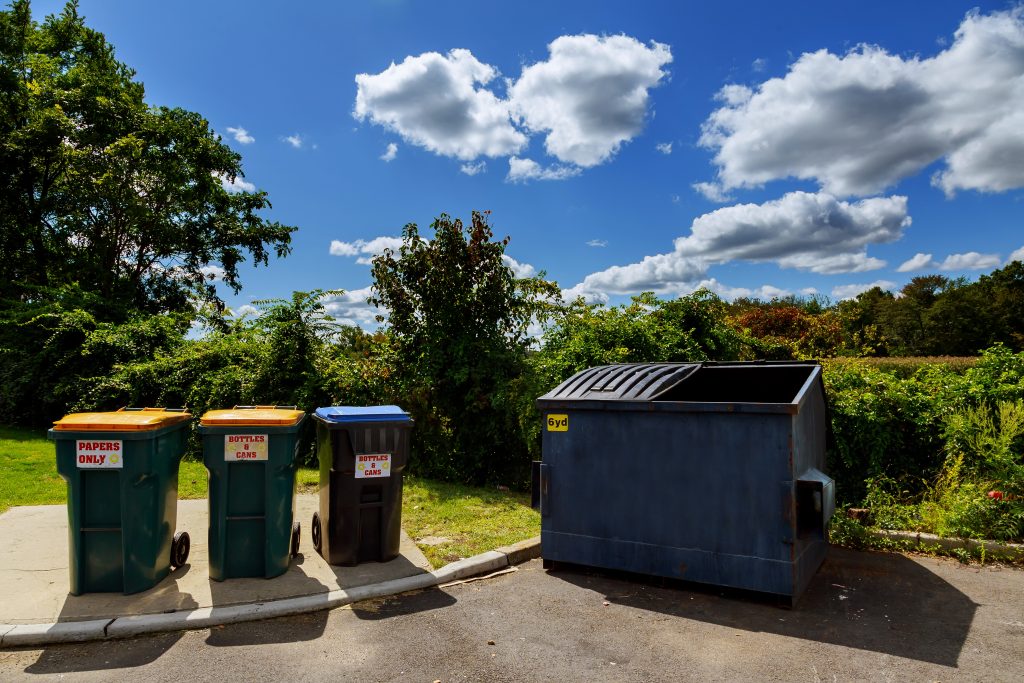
{"x": 632, "y": 381}
{"x": 363, "y": 414}
{"x": 123, "y": 420}
{"x": 253, "y": 416}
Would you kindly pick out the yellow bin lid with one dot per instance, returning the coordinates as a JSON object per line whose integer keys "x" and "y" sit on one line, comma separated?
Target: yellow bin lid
{"x": 123, "y": 420}
{"x": 253, "y": 416}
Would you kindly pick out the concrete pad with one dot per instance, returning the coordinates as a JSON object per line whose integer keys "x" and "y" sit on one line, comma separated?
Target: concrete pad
{"x": 34, "y": 571}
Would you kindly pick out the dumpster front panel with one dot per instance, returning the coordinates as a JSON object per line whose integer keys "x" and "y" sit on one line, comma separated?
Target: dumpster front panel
{"x": 712, "y": 478}
{"x": 648, "y": 495}
{"x": 362, "y": 460}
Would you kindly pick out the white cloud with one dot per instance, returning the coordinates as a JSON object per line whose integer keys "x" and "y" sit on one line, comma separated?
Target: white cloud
{"x": 851, "y": 291}
{"x": 433, "y": 102}
{"x": 591, "y": 296}
{"x": 520, "y": 270}
{"x": 810, "y": 232}
{"x": 713, "y": 192}
{"x": 241, "y": 135}
{"x": 759, "y": 64}
{"x": 597, "y": 243}
{"x": 234, "y": 185}
{"x": 814, "y": 232}
{"x": 809, "y": 291}
{"x": 365, "y": 249}
{"x": 590, "y": 96}
{"x": 764, "y": 292}
{"x": 918, "y": 261}
{"x": 1018, "y": 255}
{"x": 212, "y": 272}
{"x": 972, "y": 260}
{"x": 294, "y": 140}
{"x": 351, "y": 308}
{"x": 390, "y": 153}
{"x": 523, "y": 170}
{"x": 473, "y": 168}
{"x": 246, "y": 309}
{"x": 860, "y": 122}
{"x": 664, "y": 147}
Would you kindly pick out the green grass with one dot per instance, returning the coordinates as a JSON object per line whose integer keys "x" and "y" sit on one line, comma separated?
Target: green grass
{"x": 473, "y": 519}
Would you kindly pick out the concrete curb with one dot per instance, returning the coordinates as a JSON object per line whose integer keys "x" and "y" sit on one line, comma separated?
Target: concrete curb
{"x": 995, "y": 550}
{"x": 25, "y": 635}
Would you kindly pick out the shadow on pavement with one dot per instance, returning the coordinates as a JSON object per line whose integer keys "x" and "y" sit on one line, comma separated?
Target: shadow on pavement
{"x": 245, "y": 590}
{"x": 72, "y": 657}
{"x": 291, "y": 630}
{"x": 882, "y": 602}
{"x": 394, "y": 605}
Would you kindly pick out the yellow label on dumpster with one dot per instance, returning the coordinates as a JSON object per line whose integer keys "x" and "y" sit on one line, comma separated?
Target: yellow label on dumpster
{"x": 245, "y": 447}
{"x": 558, "y": 423}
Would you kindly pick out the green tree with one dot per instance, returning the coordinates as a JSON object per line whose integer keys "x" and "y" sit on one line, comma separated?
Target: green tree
{"x": 100, "y": 189}
{"x": 458, "y": 319}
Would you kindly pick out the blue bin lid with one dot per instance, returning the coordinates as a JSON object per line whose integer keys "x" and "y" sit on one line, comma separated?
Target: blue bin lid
{"x": 341, "y": 414}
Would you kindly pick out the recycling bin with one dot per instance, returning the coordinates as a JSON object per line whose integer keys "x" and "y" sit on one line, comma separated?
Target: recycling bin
{"x": 250, "y": 453}
{"x": 122, "y": 473}
{"x": 706, "y": 472}
{"x": 362, "y": 453}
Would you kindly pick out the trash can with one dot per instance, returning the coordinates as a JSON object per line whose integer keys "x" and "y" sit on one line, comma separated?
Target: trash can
{"x": 122, "y": 473}
{"x": 250, "y": 453}
{"x": 362, "y": 452}
{"x": 709, "y": 472}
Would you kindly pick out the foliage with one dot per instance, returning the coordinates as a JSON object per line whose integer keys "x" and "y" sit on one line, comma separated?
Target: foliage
{"x": 690, "y": 328}
{"x": 787, "y": 331}
{"x": 458, "y": 321}
{"x": 102, "y": 190}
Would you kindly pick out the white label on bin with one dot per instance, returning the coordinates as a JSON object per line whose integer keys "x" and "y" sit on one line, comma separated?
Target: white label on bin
{"x": 99, "y": 454}
{"x": 373, "y": 465}
{"x": 245, "y": 447}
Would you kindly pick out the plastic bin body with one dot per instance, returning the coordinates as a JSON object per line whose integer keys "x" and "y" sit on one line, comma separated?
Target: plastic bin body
{"x": 252, "y": 501}
{"x": 121, "y": 520}
{"x": 709, "y": 473}
{"x": 361, "y": 517}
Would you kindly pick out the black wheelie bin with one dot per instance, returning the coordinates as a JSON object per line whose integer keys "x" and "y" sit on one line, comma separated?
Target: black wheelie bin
{"x": 362, "y": 452}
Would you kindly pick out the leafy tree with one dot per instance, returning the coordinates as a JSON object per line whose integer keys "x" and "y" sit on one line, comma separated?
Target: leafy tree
{"x": 458, "y": 319}
{"x": 648, "y": 329}
{"x": 100, "y": 189}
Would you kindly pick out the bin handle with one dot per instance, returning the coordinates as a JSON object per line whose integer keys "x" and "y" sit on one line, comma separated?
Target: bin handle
{"x": 127, "y": 409}
{"x": 258, "y": 407}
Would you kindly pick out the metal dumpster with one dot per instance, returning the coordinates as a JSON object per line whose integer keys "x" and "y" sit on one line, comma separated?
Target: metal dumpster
{"x": 708, "y": 472}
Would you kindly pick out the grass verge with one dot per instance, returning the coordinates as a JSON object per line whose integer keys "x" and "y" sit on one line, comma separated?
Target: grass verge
{"x": 455, "y": 520}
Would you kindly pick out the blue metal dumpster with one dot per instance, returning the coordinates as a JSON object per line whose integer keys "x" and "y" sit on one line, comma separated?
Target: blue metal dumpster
{"x": 708, "y": 472}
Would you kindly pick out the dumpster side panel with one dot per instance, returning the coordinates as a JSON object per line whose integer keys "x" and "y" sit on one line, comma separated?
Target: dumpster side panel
{"x": 810, "y": 426}
{"x": 696, "y": 496}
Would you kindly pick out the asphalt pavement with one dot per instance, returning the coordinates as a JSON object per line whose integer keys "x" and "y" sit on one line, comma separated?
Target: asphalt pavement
{"x": 866, "y": 616}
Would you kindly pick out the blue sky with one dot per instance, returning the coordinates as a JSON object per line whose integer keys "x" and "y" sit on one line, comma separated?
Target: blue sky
{"x": 753, "y": 148}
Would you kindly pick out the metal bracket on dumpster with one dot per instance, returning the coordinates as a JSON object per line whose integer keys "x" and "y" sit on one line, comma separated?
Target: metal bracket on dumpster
{"x": 545, "y": 489}
{"x": 815, "y": 502}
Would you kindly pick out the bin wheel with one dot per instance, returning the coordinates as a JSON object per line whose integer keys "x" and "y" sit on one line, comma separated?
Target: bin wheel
{"x": 316, "y": 532}
{"x": 179, "y": 549}
{"x": 296, "y": 537}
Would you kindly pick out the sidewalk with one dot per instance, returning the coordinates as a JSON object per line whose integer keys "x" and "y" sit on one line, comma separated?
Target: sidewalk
{"x": 37, "y": 607}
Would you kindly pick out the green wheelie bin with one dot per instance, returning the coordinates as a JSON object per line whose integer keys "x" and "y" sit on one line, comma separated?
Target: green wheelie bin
{"x": 250, "y": 453}
{"x": 122, "y": 473}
